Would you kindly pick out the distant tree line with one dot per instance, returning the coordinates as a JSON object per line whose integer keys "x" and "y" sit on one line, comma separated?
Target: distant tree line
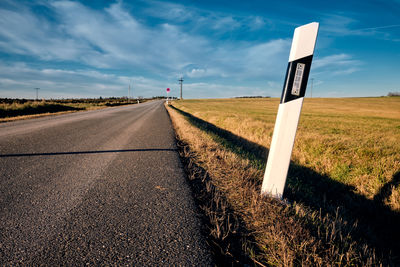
{"x": 164, "y": 97}
{"x": 64, "y": 100}
{"x": 79, "y": 100}
{"x": 256, "y": 96}
{"x": 394, "y": 94}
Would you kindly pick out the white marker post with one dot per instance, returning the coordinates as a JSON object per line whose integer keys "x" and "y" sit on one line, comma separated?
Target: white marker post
{"x": 288, "y": 116}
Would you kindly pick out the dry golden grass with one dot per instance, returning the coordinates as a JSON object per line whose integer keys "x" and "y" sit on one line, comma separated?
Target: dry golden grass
{"x": 33, "y": 109}
{"x": 342, "y": 183}
{"x": 353, "y": 140}
{"x": 26, "y": 117}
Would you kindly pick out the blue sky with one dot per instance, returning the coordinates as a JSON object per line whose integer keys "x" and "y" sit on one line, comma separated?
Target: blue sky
{"x": 221, "y": 48}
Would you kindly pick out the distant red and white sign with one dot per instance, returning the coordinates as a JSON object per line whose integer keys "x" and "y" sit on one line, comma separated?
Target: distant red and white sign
{"x": 168, "y": 90}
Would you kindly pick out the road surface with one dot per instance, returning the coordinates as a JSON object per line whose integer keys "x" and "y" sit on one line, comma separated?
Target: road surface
{"x": 97, "y": 187}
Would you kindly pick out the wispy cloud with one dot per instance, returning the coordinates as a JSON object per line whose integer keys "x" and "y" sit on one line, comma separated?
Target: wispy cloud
{"x": 333, "y": 65}
{"x": 24, "y": 33}
{"x": 109, "y": 38}
{"x": 226, "y": 24}
{"x": 331, "y": 61}
{"x": 197, "y": 20}
{"x": 341, "y": 25}
{"x": 122, "y": 41}
{"x": 107, "y": 43}
{"x": 336, "y": 24}
{"x": 380, "y": 27}
{"x": 19, "y": 80}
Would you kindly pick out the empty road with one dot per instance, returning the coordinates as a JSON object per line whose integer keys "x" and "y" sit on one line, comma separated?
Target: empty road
{"x": 97, "y": 187}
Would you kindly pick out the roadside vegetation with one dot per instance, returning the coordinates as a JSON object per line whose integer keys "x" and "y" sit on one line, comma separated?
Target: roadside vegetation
{"x": 13, "y": 109}
{"x": 341, "y": 204}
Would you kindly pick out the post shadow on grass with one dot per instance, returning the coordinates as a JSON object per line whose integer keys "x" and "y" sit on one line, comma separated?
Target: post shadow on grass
{"x": 245, "y": 148}
{"x": 376, "y": 224}
{"x": 386, "y": 190}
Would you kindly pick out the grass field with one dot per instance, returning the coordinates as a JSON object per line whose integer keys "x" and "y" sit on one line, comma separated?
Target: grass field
{"x": 342, "y": 194}
{"x": 15, "y": 109}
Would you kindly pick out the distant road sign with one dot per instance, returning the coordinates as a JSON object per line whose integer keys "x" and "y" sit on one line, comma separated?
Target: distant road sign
{"x": 168, "y": 90}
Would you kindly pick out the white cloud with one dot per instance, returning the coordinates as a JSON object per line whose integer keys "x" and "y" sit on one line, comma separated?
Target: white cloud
{"x": 334, "y": 60}
{"x": 196, "y": 73}
{"x": 114, "y": 39}
{"x": 333, "y": 65}
{"x": 257, "y": 22}
{"x": 18, "y": 80}
{"x": 341, "y": 25}
{"x": 345, "y": 71}
{"x": 200, "y": 19}
{"x": 169, "y": 11}
{"x": 123, "y": 41}
{"x": 267, "y": 58}
{"x": 226, "y": 24}
{"x": 24, "y": 33}
{"x": 337, "y": 24}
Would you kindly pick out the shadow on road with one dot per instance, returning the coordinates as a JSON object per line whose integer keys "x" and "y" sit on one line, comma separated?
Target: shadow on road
{"x": 85, "y": 152}
{"x": 374, "y": 223}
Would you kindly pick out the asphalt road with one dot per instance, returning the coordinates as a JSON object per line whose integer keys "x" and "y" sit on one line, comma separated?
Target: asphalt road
{"x": 97, "y": 187}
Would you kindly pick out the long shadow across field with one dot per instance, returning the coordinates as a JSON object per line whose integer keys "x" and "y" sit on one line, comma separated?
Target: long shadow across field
{"x": 377, "y": 225}
{"x": 245, "y": 148}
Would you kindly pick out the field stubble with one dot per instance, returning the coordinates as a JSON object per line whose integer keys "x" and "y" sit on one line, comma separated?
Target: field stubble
{"x": 17, "y": 109}
{"x": 342, "y": 184}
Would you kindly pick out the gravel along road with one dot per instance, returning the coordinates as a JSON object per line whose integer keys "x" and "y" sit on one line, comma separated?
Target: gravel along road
{"x": 97, "y": 187}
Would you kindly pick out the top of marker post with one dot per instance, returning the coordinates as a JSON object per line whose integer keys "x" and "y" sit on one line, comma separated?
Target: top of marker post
{"x": 304, "y": 39}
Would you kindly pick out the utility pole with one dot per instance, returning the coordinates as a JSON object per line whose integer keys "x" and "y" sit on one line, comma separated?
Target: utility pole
{"x": 129, "y": 92}
{"x": 312, "y": 83}
{"x": 181, "y": 81}
{"x": 37, "y": 93}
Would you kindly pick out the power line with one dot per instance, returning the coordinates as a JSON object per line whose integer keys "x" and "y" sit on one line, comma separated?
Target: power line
{"x": 129, "y": 91}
